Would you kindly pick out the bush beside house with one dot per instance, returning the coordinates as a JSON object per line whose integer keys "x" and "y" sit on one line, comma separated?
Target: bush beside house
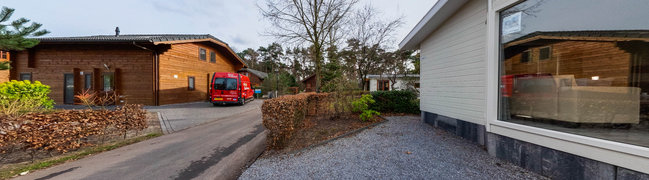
{"x": 402, "y": 101}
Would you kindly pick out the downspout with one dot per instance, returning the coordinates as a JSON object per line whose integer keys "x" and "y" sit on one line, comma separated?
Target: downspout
{"x": 156, "y": 74}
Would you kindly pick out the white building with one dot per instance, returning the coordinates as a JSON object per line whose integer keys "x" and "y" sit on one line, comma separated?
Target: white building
{"x": 558, "y": 87}
{"x": 384, "y": 82}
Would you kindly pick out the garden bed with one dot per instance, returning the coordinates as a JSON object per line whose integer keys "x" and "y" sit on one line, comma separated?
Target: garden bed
{"x": 320, "y": 130}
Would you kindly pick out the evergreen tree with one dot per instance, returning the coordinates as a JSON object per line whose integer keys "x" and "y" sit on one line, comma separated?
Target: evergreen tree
{"x": 13, "y": 35}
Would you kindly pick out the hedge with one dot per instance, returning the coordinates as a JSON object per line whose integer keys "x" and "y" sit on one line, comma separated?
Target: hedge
{"x": 285, "y": 115}
{"x": 401, "y": 101}
{"x": 66, "y": 130}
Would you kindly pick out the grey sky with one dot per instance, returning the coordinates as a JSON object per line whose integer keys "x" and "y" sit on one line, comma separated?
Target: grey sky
{"x": 237, "y": 22}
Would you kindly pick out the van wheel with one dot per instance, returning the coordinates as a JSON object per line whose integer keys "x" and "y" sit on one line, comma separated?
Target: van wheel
{"x": 242, "y": 101}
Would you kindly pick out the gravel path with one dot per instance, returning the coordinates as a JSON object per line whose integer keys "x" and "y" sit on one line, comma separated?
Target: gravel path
{"x": 402, "y": 148}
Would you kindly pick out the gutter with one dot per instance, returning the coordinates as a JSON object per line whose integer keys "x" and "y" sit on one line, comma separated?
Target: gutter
{"x": 156, "y": 73}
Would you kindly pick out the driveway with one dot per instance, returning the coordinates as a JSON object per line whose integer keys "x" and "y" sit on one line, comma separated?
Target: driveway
{"x": 217, "y": 149}
{"x": 176, "y": 117}
{"x": 402, "y": 148}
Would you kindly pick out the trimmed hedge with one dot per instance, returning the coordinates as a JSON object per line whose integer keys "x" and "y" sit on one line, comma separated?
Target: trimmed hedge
{"x": 66, "y": 130}
{"x": 282, "y": 117}
{"x": 401, "y": 101}
{"x": 285, "y": 115}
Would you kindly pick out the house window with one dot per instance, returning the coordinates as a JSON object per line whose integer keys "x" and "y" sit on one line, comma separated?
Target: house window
{"x": 87, "y": 81}
{"x": 592, "y": 80}
{"x": 213, "y": 57}
{"x": 26, "y": 76}
{"x": 383, "y": 85}
{"x": 109, "y": 81}
{"x": 190, "y": 83}
{"x": 544, "y": 53}
{"x": 202, "y": 53}
{"x": 525, "y": 56}
{"x": 4, "y": 54}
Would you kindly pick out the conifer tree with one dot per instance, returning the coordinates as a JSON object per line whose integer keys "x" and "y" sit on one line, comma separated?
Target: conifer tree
{"x": 14, "y": 34}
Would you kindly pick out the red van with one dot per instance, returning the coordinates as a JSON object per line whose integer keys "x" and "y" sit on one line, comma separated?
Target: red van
{"x": 230, "y": 88}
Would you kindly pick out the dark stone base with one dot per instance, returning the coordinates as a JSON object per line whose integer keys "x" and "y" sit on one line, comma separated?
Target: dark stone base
{"x": 541, "y": 160}
{"x": 475, "y": 133}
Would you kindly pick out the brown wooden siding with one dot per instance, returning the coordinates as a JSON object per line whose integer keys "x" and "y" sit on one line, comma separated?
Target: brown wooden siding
{"x": 583, "y": 59}
{"x": 50, "y": 62}
{"x": 183, "y": 60}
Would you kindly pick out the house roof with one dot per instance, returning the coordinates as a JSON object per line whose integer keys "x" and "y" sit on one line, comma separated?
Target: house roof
{"x": 389, "y": 75}
{"x": 261, "y": 75}
{"x": 131, "y": 37}
{"x": 441, "y": 11}
{"x": 143, "y": 38}
{"x": 308, "y": 77}
{"x": 607, "y": 35}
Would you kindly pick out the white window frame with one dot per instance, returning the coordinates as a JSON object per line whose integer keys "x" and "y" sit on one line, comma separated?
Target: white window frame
{"x": 619, "y": 154}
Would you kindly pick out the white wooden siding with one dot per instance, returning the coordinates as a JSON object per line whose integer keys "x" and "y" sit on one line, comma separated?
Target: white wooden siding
{"x": 453, "y": 65}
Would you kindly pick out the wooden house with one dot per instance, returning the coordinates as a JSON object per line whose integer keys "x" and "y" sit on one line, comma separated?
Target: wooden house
{"x": 146, "y": 69}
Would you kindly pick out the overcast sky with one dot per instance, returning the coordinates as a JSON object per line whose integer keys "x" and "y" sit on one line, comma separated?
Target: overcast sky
{"x": 237, "y": 22}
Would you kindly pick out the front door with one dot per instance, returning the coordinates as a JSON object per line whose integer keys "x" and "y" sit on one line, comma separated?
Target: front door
{"x": 68, "y": 88}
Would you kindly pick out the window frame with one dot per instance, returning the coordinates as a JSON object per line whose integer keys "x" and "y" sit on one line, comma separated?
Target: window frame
{"x": 549, "y": 48}
{"x": 615, "y": 153}
{"x": 103, "y": 81}
{"x": 86, "y": 82}
{"x": 212, "y": 57}
{"x": 529, "y": 57}
{"x": 202, "y": 54}
{"x": 191, "y": 83}
{"x": 26, "y": 73}
{"x": 382, "y": 83}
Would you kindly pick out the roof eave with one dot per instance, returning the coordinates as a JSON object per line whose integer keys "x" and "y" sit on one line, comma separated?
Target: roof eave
{"x": 441, "y": 11}
{"x": 212, "y": 40}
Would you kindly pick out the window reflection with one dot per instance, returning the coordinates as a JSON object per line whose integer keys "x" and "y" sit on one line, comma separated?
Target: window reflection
{"x": 588, "y": 77}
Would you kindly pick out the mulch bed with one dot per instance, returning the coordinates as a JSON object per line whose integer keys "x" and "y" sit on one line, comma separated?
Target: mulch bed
{"x": 318, "y": 130}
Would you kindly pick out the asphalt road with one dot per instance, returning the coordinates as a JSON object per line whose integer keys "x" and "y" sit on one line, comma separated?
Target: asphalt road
{"x": 200, "y": 152}
{"x": 176, "y": 117}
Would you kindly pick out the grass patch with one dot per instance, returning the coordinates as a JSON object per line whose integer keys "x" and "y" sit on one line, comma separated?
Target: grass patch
{"x": 9, "y": 172}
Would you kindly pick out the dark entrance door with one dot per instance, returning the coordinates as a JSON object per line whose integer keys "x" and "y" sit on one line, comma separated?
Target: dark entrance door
{"x": 68, "y": 88}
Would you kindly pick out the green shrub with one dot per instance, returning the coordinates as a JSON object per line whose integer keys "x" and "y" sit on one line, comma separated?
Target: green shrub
{"x": 401, "y": 101}
{"x": 369, "y": 115}
{"x": 362, "y": 106}
{"x": 19, "y": 97}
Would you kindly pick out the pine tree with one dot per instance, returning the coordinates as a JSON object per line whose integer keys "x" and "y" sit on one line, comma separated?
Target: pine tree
{"x": 13, "y": 35}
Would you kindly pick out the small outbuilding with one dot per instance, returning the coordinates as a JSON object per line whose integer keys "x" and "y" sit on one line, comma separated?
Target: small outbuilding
{"x": 256, "y": 77}
{"x": 309, "y": 83}
{"x": 388, "y": 82}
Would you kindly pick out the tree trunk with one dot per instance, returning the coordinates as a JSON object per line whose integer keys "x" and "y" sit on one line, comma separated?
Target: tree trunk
{"x": 318, "y": 58}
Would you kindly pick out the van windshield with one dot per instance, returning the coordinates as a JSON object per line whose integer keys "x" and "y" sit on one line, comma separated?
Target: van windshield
{"x": 225, "y": 84}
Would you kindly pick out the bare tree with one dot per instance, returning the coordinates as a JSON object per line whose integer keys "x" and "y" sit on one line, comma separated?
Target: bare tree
{"x": 313, "y": 21}
{"x": 366, "y": 45}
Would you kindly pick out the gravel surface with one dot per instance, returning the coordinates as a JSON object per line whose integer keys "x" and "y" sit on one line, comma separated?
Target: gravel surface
{"x": 402, "y": 148}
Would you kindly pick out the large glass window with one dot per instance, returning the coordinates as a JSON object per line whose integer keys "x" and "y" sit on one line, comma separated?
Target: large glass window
{"x": 109, "y": 84}
{"x": 202, "y": 54}
{"x": 225, "y": 84}
{"x": 25, "y": 76}
{"x": 578, "y": 66}
{"x": 213, "y": 57}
